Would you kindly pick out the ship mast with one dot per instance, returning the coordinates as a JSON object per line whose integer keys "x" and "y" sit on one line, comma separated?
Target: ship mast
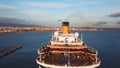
{"x": 81, "y": 37}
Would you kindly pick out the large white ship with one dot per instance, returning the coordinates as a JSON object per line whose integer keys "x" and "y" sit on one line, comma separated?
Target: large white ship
{"x": 66, "y": 50}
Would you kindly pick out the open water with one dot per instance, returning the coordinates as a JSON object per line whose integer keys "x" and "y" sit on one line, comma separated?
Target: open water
{"x": 106, "y": 42}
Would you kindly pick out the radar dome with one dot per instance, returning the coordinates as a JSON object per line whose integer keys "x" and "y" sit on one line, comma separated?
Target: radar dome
{"x": 56, "y": 33}
{"x": 76, "y": 34}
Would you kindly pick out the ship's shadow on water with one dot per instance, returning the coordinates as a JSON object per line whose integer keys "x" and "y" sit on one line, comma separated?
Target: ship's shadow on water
{"x": 106, "y": 42}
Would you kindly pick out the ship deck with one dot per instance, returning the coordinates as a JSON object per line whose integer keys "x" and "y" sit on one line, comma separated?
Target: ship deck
{"x": 69, "y": 49}
{"x": 70, "y": 55}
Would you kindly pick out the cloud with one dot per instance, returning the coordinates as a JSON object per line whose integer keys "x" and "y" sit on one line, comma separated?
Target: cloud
{"x": 57, "y": 4}
{"x": 6, "y": 21}
{"x": 118, "y": 22}
{"x": 36, "y": 13}
{"x": 7, "y": 7}
{"x": 49, "y": 4}
{"x": 115, "y": 14}
{"x": 12, "y": 20}
{"x": 101, "y": 23}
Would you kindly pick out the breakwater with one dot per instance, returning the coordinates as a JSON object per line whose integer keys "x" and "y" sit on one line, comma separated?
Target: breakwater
{"x": 8, "y": 50}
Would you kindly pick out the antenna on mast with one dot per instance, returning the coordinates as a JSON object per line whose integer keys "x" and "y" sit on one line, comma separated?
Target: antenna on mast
{"x": 65, "y": 20}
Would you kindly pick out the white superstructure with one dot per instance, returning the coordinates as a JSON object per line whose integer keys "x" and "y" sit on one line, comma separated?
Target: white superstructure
{"x": 71, "y": 38}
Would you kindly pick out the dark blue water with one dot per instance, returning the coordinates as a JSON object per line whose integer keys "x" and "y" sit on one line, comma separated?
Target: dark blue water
{"x": 106, "y": 42}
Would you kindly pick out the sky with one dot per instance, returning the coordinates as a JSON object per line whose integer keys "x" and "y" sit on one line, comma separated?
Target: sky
{"x": 50, "y": 13}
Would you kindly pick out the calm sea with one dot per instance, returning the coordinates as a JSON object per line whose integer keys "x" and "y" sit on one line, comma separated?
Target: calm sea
{"x": 106, "y": 42}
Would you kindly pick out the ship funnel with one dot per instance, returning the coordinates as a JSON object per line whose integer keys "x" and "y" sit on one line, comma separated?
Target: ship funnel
{"x": 65, "y": 27}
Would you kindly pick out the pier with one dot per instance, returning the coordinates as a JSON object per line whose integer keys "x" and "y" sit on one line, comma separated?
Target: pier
{"x": 8, "y": 50}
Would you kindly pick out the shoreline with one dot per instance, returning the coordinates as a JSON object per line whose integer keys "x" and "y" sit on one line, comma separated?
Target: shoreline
{"x": 24, "y": 29}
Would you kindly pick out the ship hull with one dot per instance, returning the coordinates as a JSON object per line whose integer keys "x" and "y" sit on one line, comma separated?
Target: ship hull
{"x": 44, "y": 65}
